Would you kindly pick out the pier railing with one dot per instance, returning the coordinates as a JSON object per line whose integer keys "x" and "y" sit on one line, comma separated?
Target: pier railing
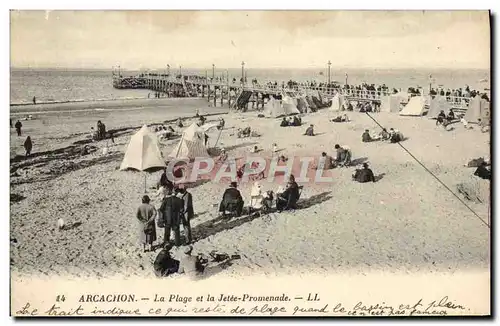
{"x": 155, "y": 82}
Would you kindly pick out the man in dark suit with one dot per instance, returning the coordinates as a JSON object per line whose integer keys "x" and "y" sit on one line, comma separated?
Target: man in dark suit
{"x": 171, "y": 209}
{"x": 187, "y": 212}
{"x": 232, "y": 199}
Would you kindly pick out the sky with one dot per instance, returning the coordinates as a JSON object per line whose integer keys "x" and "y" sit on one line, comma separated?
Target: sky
{"x": 263, "y": 39}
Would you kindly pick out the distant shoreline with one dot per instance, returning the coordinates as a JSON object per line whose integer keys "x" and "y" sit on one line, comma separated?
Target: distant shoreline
{"x": 74, "y": 101}
{"x": 104, "y": 105}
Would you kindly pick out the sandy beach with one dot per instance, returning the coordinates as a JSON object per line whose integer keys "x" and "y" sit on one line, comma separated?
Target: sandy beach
{"x": 405, "y": 222}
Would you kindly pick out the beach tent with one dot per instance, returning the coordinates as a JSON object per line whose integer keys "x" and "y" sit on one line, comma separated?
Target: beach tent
{"x": 143, "y": 152}
{"x": 437, "y": 104}
{"x": 478, "y": 109}
{"x": 290, "y": 105}
{"x": 310, "y": 103}
{"x": 415, "y": 106}
{"x": 191, "y": 145}
{"x": 275, "y": 108}
{"x": 302, "y": 104}
{"x": 391, "y": 103}
{"x": 337, "y": 103}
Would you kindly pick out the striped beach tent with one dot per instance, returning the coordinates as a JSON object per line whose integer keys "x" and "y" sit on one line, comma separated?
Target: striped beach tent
{"x": 191, "y": 145}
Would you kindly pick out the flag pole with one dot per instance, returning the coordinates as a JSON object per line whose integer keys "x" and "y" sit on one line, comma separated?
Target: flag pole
{"x": 217, "y": 141}
{"x": 179, "y": 146}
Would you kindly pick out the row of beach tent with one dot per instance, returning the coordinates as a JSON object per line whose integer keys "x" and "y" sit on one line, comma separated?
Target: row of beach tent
{"x": 144, "y": 152}
{"x": 417, "y": 106}
{"x": 293, "y": 103}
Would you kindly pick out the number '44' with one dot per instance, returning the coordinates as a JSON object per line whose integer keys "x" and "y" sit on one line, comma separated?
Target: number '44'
{"x": 60, "y": 298}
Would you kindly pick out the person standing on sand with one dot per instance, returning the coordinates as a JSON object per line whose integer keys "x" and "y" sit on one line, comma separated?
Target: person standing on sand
{"x": 28, "y": 146}
{"x": 34, "y": 100}
{"x": 146, "y": 214}
{"x": 18, "y": 126}
{"x": 187, "y": 213}
{"x": 170, "y": 210}
{"x": 11, "y": 123}
{"x": 99, "y": 129}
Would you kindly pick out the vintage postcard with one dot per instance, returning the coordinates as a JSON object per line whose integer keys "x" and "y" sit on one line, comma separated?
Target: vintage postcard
{"x": 250, "y": 163}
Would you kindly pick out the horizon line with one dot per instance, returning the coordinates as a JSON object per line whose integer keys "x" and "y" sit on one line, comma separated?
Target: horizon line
{"x": 209, "y": 69}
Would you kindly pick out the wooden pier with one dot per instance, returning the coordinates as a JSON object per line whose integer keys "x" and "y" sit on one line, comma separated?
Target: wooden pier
{"x": 223, "y": 91}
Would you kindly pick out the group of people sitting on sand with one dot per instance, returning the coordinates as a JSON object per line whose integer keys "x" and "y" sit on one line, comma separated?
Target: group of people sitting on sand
{"x": 164, "y": 132}
{"x": 343, "y": 158}
{"x": 194, "y": 266}
{"x": 341, "y": 118}
{"x": 294, "y": 121}
{"x": 483, "y": 126}
{"x": 243, "y": 133}
{"x": 393, "y": 136}
{"x": 443, "y": 119}
{"x": 285, "y": 198}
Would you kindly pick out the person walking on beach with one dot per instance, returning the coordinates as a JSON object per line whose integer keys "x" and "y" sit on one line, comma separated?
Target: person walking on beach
{"x": 11, "y": 123}
{"x": 146, "y": 214}
{"x": 34, "y": 100}
{"x": 28, "y": 146}
{"x": 170, "y": 210}
{"x": 18, "y": 126}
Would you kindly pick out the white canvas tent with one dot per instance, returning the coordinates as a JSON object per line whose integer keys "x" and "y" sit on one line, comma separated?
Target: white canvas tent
{"x": 478, "y": 109}
{"x": 191, "y": 145}
{"x": 391, "y": 103}
{"x": 275, "y": 108}
{"x": 290, "y": 105}
{"x": 438, "y": 104}
{"x": 415, "y": 106}
{"x": 337, "y": 103}
{"x": 143, "y": 152}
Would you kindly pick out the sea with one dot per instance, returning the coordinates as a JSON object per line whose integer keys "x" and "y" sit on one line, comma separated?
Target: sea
{"x": 72, "y": 85}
